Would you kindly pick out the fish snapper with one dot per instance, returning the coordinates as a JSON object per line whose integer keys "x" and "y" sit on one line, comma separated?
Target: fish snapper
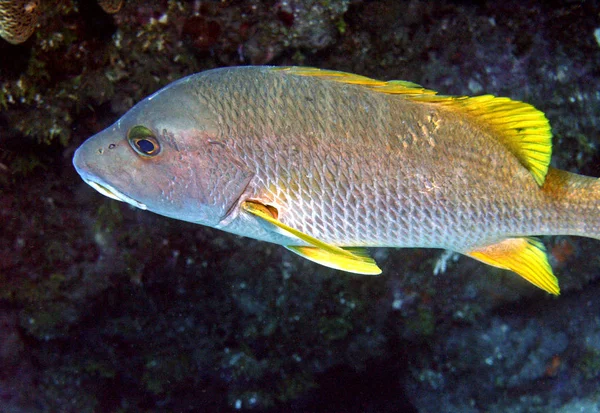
{"x": 327, "y": 163}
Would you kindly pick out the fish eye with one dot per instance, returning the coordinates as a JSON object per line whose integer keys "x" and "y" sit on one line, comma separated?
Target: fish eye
{"x": 143, "y": 141}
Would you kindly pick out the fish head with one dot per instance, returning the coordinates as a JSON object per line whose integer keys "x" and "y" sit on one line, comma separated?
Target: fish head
{"x": 167, "y": 155}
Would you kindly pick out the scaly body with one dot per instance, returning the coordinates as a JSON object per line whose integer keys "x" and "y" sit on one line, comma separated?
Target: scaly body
{"x": 382, "y": 172}
{"x": 350, "y": 162}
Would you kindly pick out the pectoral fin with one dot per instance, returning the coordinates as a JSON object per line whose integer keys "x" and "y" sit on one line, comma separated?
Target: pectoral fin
{"x": 525, "y": 256}
{"x": 354, "y": 260}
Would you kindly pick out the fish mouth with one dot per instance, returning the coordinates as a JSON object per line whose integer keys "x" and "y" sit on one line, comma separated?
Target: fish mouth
{"x": 110, "y": 192}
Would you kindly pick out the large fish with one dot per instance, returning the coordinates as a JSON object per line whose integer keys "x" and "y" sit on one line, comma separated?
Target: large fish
{"x": 327, "y": 163}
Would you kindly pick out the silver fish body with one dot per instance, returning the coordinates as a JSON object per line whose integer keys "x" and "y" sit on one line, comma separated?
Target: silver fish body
{"x": 342, "y": 160}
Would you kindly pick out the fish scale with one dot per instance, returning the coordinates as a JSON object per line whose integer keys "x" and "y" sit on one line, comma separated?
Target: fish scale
{"x": 316, "y": 160}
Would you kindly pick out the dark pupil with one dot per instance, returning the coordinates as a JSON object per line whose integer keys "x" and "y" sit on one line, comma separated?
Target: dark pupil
{"x": 145, "y": 145}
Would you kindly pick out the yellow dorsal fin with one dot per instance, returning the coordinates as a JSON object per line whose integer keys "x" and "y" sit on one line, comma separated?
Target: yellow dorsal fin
{"x": 520, "y": 127}
{"x": 400, "y": 87}
{"x": 525, "y": 256}
{"x": 354, "y": 260}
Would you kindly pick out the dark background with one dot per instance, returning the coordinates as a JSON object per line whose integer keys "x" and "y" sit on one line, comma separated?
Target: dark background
{"x": 104, "y": 308}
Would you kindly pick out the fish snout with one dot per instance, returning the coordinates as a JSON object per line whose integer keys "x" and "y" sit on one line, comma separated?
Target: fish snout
{"x": 95, "y": 154}
{"x": 80, "y": 162}
{"x": 91, "y": 164}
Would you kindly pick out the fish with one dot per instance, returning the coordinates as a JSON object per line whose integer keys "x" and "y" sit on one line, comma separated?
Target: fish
{"x": 329, "y": 164}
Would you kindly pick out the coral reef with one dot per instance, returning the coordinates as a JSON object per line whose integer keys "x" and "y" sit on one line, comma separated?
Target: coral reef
{"x": 18, "y": 19}
{"x": 104, "y": 308}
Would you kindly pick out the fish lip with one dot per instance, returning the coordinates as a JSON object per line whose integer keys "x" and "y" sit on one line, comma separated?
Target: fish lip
{"x": 111, "y": 192}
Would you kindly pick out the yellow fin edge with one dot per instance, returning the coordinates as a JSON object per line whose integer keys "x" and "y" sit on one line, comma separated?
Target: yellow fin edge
{"x": 525, "y": 256}
{"x": 364, "y": 265}
{"x": 523, "y": 129}
{"x": 321, "y": 252}
{"x": 519, "y": 126}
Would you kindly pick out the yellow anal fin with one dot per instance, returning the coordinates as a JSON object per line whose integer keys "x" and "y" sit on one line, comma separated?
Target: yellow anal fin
{"x": 521, "y": 128}
{"x": 525, "y": 256}
{"x": 354, "y": 260}
{"x": 359, "y": 262}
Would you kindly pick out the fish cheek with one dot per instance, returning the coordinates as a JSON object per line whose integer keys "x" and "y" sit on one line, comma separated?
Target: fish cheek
{"x": 221, "y": 177}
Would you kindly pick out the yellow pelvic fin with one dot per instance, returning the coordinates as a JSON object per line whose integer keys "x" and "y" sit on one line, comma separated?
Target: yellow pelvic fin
{"x": 525, "y": 256}
{"x": 523, "y": 129}
{"x": 354, "y": 260}
{"x": 358, "y": 263}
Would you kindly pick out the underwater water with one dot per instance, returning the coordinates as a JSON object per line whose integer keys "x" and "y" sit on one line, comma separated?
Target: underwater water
{"x": 108, "y": 308}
